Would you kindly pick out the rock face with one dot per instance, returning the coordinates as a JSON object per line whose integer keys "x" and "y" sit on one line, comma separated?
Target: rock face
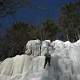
{"x": 65, "y": 62}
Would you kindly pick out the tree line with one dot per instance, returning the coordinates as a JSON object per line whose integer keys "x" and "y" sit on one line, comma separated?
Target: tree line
{"x": 14, "y": 40}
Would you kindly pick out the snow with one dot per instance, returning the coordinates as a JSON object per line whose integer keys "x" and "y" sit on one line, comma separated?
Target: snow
{"x": 65, "y": 62}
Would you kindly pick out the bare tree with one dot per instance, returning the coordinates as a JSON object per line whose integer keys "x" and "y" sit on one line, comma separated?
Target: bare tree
{"x": 11, "y": 6}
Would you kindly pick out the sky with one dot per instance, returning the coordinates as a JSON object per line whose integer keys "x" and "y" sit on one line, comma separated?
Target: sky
{"x": 37, "y": 15}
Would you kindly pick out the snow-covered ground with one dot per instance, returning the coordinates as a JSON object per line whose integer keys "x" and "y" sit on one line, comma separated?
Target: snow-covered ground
{"x": 65, "y": 62}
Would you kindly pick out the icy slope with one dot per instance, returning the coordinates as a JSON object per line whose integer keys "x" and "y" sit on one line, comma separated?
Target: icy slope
{"x": 65, "y": 62}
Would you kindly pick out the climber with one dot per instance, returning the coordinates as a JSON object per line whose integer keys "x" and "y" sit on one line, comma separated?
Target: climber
{"x": 47, "y": 59}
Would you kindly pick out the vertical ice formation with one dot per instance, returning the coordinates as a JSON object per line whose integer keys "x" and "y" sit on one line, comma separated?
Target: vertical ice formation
{"x": 33, "y": 47}
{"x": 65, "y": 62}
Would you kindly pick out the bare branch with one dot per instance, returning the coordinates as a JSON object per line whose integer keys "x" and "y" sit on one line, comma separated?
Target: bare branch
{"x": 10, "y": 6}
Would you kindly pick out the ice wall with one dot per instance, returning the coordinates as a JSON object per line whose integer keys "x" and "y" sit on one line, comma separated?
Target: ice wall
{"x": 65, "y": 62}
{"x": 33, "y": 47}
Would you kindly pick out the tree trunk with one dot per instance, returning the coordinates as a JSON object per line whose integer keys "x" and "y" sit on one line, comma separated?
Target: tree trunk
{"x": 67, "y": 34}
{"x": 76, "y": 36}
{"x": 78, "y": 33}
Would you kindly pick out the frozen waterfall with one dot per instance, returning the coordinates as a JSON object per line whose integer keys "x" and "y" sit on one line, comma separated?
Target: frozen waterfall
{"x": 65, "y": 62}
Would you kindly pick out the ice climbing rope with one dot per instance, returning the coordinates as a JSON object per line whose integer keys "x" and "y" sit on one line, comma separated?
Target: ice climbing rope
{"x": 40, "y": 47}
{"x": 31, "y": 68}
{"x": 36, "y": 62}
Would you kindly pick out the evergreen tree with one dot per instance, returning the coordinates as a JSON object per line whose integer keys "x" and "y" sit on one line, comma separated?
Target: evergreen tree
{"x": 70, "y": 22}
{"x": 16, "y": 38}
{"x": 49, "y": 29}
